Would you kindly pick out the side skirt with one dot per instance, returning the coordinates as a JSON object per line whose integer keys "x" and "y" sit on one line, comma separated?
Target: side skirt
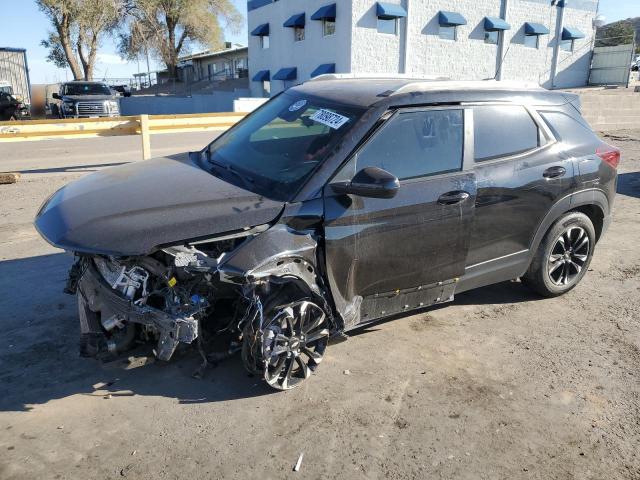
{"x": 382, "y": 305}
{"x": 496, "y": 270}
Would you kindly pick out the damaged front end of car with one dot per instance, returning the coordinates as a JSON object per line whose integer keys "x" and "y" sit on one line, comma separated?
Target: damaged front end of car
{"x": 258, "y": 288}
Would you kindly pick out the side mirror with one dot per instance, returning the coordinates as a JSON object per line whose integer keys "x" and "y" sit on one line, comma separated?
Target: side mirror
{"x": 370, "y": 182}
{"x": 56, "y": 95}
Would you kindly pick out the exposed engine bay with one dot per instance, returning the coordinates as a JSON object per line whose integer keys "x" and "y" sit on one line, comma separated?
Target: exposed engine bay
{"x": 192, "y": 294}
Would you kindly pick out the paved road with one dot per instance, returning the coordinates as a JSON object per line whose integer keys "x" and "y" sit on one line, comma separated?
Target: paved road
{"x": 53, "y": 157}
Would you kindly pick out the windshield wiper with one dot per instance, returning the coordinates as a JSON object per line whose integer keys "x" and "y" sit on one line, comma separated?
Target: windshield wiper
{"x": 246, "y": 179}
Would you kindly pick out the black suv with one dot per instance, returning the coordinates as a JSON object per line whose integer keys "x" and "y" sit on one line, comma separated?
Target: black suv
{"x": 11, "y": 108}
{"x": 339, "y": 202}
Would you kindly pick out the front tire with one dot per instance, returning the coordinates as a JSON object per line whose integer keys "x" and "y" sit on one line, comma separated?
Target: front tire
{"x": 291, "y": 345}
{"x": 563, "y": 256}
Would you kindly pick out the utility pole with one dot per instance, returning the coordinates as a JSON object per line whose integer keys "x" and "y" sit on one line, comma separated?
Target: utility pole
{"x": 501, "y": 52}
{"x": 556, "y": 48}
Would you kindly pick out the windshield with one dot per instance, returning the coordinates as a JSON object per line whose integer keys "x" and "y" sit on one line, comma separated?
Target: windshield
{"x": 275, "y": 150}
{"x": 6, "y": 89}
{"x": 86, "y": 89}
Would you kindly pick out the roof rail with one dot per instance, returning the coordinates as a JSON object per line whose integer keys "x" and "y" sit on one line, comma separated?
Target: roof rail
{"x": 399, "y": 76}
{"x": 419, "y": 86}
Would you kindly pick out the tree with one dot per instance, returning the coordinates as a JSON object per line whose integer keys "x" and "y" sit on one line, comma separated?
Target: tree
{"x": 617, "y": 33}
{"x": 168, "y": 27}
{"x": 79, "y": 26}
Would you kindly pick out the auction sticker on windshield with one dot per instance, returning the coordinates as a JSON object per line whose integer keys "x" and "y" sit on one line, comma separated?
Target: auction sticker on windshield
{"x": 330, "y": 119}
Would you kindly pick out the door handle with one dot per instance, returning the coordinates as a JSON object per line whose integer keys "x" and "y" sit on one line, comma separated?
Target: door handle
{"x": 554, "y": 172}
{"x": 454, "y": 197}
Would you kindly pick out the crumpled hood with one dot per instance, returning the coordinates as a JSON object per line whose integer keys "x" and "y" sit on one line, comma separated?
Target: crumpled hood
{"x": 133, "y": 208}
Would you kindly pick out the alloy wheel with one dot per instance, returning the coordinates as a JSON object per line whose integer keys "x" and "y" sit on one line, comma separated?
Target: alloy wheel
{"x": 568, "y": 256}
{"x": 293, "y": 343}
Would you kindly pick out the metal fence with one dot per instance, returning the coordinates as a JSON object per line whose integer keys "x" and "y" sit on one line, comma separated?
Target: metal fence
{"x": 143, "y": 125}
{"x": 611, "y": 65}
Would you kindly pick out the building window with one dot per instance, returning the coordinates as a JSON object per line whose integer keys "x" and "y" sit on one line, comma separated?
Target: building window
{"x": 298, "y": 34}
{"x": 328, "y": 26}
{"x": 264, "y": 42}
{"x": 532, "y": 41}
{"x": 491, "y": 38}
{"x": 567, "y": 45}
{"x": 388, "y": 25}
{"x": 448, "y": 32}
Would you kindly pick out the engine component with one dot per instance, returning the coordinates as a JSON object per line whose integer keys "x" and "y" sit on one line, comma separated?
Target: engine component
{"x": 177, "y": 323}
{"x": 130, "y": 281}
{"x": 112, "y": 322}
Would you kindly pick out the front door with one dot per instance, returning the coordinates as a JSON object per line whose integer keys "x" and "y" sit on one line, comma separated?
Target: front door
{"x": 389, "y": 255}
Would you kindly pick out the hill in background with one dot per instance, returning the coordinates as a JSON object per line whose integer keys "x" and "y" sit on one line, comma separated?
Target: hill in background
{"x": 619, "y": 33}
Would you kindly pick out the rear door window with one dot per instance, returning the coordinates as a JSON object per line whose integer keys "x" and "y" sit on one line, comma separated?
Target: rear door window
{"x": 417, "y": 144}
{"x": 501, "y": 131}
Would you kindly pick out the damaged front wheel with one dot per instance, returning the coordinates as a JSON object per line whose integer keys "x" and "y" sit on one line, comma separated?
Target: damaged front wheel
{"x": 292, "y": 343}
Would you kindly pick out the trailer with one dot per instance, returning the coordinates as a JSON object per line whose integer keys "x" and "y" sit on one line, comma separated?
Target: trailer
{"x": 14, "y": 74}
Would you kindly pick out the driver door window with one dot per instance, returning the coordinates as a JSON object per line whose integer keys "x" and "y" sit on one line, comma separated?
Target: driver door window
{"x": 417, "y": 144}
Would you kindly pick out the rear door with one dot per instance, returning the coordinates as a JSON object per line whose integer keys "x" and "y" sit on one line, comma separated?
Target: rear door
{"x": 521, "y": 173}
{"x": 394, "y": 254}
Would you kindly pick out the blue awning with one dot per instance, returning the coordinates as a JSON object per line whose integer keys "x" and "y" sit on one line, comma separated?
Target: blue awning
{"x": 295, "y": 21}
{"x": 262, "y": 76}
{"x": 324, "y": 68}
{"x": 390, "y": 10}
{"x": 535, "y": 29}
{"x": 328, "y": 11}
{"x": 286, "y": 74}
{"x": 253, "y": 4}
{"x": 451, "y": 19}
{"x": 569, "y": 33}
{"x": 261, "y": 30}
{"x": 494, "y": 24}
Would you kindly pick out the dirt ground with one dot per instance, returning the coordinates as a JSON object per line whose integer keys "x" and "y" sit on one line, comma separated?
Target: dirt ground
{"x": 499, "y": 384}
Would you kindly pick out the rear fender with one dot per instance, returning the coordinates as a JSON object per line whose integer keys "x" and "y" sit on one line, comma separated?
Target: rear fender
{"x": 591, "y": 196}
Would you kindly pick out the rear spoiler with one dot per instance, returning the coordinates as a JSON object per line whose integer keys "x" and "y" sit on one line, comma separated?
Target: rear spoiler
{"x": 574, "y": 100}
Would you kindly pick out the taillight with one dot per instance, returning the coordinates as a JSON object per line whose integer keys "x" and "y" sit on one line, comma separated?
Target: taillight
{"x": 609, "y": 154}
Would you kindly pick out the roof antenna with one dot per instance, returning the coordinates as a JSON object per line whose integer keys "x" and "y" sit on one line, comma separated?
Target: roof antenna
{"x": 502, "y": 62}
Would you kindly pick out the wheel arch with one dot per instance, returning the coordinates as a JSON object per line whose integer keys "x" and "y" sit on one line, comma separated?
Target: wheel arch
{"x": 592, "y": 202}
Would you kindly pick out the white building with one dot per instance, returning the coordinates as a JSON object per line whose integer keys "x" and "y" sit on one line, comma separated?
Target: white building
{"x": 547, "y": 41}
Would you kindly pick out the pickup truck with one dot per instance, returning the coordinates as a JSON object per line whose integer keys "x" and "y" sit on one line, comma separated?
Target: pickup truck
{"x": 82, "y": 99}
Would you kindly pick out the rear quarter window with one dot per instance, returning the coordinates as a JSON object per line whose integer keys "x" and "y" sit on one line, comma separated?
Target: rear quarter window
{"x": 501, "y": 131}
{"x": 568, "y": 129}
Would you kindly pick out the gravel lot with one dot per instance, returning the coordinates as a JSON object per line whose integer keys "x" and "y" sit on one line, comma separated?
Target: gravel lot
{"x": 498, "y": 384}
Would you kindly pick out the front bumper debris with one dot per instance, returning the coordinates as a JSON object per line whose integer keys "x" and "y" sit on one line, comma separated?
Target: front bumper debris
{"x": 96, "y": 296}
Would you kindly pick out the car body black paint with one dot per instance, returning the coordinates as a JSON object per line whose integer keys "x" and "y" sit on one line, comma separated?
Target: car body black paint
{"x": 133, "y": 209}
{"x": 381, "y": 256}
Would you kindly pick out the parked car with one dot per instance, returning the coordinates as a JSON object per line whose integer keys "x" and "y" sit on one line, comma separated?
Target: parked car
{"x": 339, "y": 202}
{"x": 11, "y": 108}
{"x": 81, "y": 99}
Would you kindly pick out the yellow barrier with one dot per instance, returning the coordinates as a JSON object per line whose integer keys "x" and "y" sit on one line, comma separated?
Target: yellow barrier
{"x": 144, "y": 125}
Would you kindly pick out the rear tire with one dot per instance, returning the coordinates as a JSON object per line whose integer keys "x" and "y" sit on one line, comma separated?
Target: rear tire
{"x": 563, "y": 256}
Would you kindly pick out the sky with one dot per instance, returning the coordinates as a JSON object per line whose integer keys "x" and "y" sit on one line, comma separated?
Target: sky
{"x": 23, "y": 25}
